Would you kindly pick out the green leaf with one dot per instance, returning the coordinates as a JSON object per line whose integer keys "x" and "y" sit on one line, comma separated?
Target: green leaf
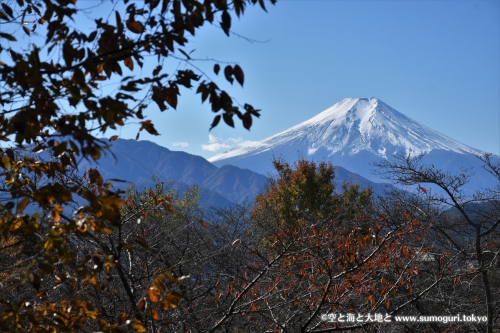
{"x": 216, "y": 69}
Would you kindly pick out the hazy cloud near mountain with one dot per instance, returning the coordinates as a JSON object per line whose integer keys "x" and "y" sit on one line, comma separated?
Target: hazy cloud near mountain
{"x": 215, "y": 144}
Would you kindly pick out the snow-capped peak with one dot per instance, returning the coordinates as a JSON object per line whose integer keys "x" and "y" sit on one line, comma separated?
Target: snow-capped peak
{"x": 352, "y": 126}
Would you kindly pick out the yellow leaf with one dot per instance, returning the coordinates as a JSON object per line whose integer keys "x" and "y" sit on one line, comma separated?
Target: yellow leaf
{"x": 171, "y": 300}
{"x": 137, "y": 327}
{"x": 106, "y": 231}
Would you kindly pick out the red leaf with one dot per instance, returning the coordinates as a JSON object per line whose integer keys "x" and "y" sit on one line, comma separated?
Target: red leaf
{"x": 203, "y": 223}
{"x": 155, "y": 314}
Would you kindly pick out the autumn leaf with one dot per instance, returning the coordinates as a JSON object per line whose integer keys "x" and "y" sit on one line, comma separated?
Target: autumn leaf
{"x": 142, "y": 305}
{"x": 171, "y": 300}
{"x": 137, "y": 327}
{"x": 135, "y": 26}
{"x": 129, "y": 63}
{"x": 153, "y": 294}
{"x": 56, "y": 213}
{"x": 22, "y": 205}
{"x": 154, "y": 314}
{"x": 149, "y": 127}
{"x": 122, "y": 318}
{"x": 203, "y": 223}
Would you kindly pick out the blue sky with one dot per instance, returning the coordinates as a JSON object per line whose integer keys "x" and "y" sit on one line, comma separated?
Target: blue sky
{"x": 438, "y": 62}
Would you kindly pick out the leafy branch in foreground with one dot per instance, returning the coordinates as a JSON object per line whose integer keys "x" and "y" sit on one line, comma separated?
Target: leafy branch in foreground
{"x": 56, "y": 100}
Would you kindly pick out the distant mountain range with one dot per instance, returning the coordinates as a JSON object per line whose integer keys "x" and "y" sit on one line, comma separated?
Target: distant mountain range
{"x": 351, "y": 134}
{"x": 138, "y": 161}
{"x": 354, "y": 133}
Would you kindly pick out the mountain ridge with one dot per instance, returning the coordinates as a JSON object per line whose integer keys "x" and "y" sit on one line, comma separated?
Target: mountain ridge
{"x": 138, "y": 161}
{"x": 352, "y": 134}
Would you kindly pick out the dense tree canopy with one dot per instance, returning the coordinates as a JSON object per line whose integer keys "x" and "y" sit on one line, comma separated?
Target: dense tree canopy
{"x": 55, "y": 99}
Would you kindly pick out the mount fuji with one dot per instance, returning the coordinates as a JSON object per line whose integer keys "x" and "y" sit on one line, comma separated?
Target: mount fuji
{"x": 353, "y": 134}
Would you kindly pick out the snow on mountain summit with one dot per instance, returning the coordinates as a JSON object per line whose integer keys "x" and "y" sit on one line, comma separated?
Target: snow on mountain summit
{"x": 349, "y": 127}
